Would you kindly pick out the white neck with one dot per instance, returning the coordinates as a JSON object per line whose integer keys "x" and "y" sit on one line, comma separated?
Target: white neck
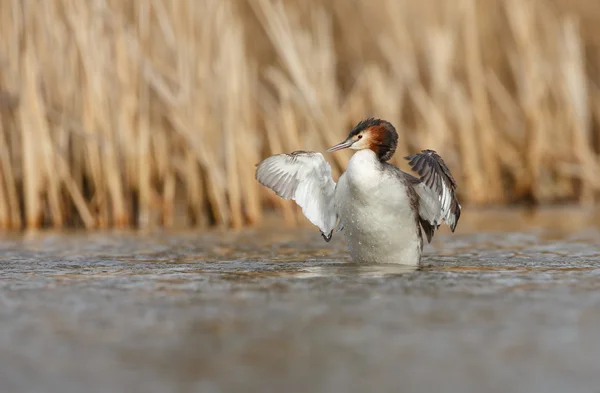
{"x": 364, "y": 168}
{"x": 364, "y": 157}
{"x": 365, "y": 154}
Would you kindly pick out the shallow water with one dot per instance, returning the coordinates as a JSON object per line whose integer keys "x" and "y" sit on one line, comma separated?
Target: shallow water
{"x": 511, "y": 302}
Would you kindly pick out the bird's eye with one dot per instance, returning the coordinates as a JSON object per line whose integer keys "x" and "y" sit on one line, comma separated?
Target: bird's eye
{"x": 360, "y": 136}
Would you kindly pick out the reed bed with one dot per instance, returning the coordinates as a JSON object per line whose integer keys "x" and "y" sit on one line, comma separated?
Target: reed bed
{"x": 119, "y": 113}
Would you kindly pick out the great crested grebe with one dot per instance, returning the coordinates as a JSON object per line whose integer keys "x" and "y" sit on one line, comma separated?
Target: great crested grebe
{"x": 380, "y": 208}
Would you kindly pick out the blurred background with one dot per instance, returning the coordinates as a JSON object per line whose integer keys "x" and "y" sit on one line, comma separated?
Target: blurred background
{"x": 152, "y": 114}
{"x": 144, "y": 113}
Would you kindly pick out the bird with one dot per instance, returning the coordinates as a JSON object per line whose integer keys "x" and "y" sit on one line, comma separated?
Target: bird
{"x": 382, "y": 211}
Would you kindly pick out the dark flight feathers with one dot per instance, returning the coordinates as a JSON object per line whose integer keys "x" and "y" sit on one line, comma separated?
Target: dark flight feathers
{"x": 436, "y": 176}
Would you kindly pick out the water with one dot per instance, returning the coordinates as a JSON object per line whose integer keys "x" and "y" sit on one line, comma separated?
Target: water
{"x": 511, "y": 302}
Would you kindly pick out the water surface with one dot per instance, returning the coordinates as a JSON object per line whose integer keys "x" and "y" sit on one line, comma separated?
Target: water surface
{"x": 510, "y": 302}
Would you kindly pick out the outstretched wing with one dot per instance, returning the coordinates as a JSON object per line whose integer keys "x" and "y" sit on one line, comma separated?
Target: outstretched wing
{"x": 437, "y": 197}
{"x": 304, "y": 177}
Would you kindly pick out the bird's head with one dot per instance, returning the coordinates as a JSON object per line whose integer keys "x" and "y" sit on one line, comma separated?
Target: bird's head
{"x": 377, "y": 135}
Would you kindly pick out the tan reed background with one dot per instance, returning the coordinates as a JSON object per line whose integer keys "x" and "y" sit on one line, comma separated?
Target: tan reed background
{"x": 119, "y": 113}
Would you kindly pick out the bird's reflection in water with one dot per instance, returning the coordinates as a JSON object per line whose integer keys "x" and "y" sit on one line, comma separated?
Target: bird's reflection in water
{"x": 356, "y": 269}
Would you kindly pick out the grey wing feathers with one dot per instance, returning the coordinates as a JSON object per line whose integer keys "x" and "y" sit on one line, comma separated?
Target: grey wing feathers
{"x": 304, "y": 177}
{"x": 436, "y": 191}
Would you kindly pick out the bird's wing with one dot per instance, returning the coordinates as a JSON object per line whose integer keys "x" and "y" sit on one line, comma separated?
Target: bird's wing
{"x": 436, "y": 191}
{"x": 304, "y": 177}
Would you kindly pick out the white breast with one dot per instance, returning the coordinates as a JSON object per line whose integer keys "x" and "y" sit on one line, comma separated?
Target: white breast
{"x": 379, "y": 222}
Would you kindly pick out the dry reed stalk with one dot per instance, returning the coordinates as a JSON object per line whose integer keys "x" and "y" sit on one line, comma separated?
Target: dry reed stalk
{"x": 5, "y": 219}
{"x": 32, "y": 168}
{"x": 79, "y": 20}
{"x": 5, "y": 205}
{"x": 10, "y": 198}
{"x": 595, "y": 93}
{"x": 248, "y": 148}
{"x": 129, "y": 108}
{"x": 577, "y": 106}
{"x": 36, "y": 120}
{"x": 195, "y": 190}
{"x": 474, "y": 183}
{"x": 481, "y": 105}
{"x": 168, "y": 200}
{"x": 230, "y": 64}
{"x": 128, "y": 82}
{"x": 143, "y": 131}
{"x": 531, "y": 87}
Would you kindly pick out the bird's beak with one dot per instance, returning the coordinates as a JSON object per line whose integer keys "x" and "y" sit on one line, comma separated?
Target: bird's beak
{"x": 343, "y": 145}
